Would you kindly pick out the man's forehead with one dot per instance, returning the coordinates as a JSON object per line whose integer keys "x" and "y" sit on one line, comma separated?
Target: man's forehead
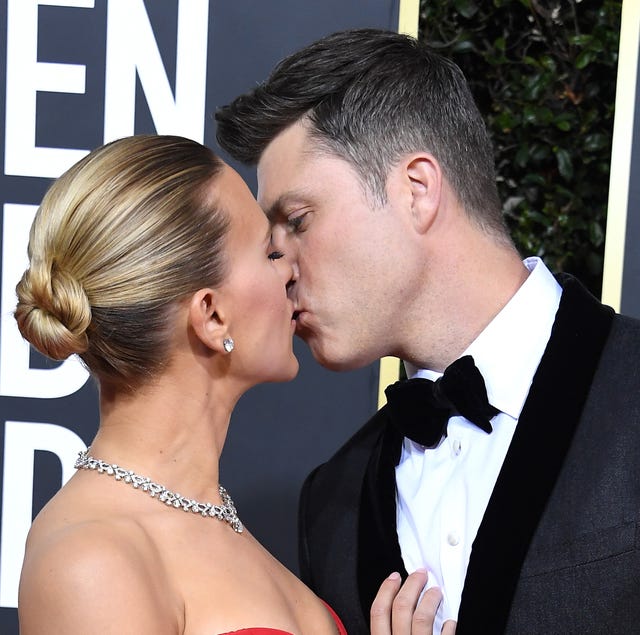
{"x": 282, "y": 170}
{"x": 281, "y": 163}
{"x": 288, "y": 143}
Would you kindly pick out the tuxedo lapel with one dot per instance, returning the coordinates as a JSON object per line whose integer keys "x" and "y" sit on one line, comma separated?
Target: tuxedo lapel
{"x": 534, "y": 460}
{"x": 378, "y": 549}
{"x": 328, "y": 524}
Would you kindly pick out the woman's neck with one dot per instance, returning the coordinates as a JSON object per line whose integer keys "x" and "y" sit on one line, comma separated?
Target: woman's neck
{"x": 171, "y": 431}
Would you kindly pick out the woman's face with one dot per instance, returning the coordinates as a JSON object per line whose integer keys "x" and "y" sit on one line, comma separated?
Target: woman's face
{"x": 257, "y": 310}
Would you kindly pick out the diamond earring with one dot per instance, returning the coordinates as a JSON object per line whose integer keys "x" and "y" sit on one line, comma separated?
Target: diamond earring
{"x": 228, "y": 344}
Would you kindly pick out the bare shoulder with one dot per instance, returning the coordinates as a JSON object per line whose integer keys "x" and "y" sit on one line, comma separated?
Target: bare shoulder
{"x": 94, "y": 575}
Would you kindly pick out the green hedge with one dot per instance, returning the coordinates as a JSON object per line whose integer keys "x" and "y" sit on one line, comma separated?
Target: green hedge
{"x": 543, "y": 73}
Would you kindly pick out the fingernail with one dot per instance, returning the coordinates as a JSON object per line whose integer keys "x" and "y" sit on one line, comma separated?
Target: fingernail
{"x": 394, "y": 576}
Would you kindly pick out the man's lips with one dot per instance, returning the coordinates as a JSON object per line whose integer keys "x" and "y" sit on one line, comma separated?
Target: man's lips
{"x": 299, "y": 318}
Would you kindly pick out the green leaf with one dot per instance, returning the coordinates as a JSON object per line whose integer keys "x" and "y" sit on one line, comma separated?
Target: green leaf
{"x": 547, "y": 62}
{"x": 581, "y": 39}
{"x": 538, "y": 217}
{"x": 585, "y": 58}
{"x": 596, "y": 234}
{"x": 466, "y": 8}
{"x": 539, "y": 152}
{"x": 545, "y": 115}
{"x": 565, "y": 121}
{"x": 595, "y": 141}
{"x": 536, "y": 84}
{"x": 506, "y": 121}
{"x": 463, "y": 46}
{"x": 522, "y": 156}
{"x": 534, "y": 179}
{"x": 511, "y": 204}
{"x": 565, "y": 164}
{"x": 529, "y": 114}
{"x": 547, "y": 91}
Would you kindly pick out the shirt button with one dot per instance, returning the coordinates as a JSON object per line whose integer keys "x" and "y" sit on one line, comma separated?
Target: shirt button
{"x": 457, "y": 446}
{"x": 453, "y": 539}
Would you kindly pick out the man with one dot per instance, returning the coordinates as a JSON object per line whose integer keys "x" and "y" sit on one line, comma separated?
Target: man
{"x": 376, "y": 171}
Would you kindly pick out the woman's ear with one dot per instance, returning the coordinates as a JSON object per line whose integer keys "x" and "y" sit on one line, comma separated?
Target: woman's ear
{"x": 424, "y": 177}
{"x": 207, "y": 320}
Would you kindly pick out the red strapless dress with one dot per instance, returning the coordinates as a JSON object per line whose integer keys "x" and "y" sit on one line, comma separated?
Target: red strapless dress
{"x": 257, "y": 630}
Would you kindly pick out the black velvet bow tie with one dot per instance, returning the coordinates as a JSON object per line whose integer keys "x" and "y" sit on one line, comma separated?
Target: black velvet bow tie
{"x": 420, "y": 408}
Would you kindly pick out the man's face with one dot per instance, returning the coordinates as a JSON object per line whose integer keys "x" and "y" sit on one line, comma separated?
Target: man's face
{"x": 347, "y": 251}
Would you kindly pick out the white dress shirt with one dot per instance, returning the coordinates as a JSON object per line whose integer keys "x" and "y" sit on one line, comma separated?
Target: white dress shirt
{"x": 442, "y": 493}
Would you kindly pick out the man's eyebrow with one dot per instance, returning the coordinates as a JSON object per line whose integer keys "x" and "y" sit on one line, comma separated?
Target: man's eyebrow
{"x": 277, "y": 208}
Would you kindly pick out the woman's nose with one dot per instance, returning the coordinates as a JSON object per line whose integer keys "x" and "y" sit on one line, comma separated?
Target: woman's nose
{"x": 289, "y": 271}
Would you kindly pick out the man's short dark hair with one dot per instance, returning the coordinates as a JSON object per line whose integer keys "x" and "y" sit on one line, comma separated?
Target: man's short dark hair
{"x": 371, "y": 97}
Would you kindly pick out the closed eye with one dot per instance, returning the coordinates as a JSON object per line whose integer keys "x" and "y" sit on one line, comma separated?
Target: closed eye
{"x": 296, "y": 224}
{"x": 275, "y": 255}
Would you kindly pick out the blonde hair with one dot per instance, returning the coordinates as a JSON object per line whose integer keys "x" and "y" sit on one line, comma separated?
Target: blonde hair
{"x": 118, "y": 241}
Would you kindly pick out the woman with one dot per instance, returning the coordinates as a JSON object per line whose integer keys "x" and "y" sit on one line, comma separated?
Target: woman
{"x": 151, "y": 260}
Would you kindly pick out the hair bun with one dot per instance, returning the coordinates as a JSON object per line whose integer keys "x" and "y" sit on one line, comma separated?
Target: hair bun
{"x": 53, "y": 312}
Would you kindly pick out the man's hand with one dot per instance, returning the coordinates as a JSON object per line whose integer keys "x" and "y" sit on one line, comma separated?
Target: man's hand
{"x": 396, "y": 610}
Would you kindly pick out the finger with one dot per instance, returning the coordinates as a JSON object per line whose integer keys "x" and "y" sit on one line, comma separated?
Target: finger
{"x": 449, "y": 628}
{"x": 406, "y": 601}
{"x": 425, "y": 613}
{"x": 380, "y": 614}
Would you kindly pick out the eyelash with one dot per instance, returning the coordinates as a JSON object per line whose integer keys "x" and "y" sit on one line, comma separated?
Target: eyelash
{"x": 275, "y": 255}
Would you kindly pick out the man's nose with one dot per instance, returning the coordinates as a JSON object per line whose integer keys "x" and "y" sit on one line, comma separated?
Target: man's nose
{"x": 291, "y": 275}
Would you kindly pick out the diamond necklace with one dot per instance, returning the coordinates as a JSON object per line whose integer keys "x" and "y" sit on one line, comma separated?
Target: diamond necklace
{"x": 226, "y": 512}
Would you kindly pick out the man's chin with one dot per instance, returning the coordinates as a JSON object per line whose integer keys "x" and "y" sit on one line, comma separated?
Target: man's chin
{"x": 334, "y": 358}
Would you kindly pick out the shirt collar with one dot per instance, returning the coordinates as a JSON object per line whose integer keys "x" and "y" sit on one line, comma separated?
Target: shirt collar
{"x": 509, "y": 349}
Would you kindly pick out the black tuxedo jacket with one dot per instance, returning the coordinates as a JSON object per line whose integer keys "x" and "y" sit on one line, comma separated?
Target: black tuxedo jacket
{"x": 558, "y": 549}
